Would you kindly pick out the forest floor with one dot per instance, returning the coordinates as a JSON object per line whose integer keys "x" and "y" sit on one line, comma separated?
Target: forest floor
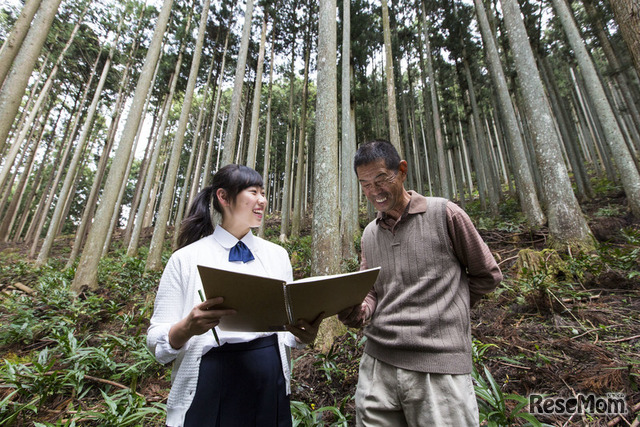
{"x": 560, "y": 324}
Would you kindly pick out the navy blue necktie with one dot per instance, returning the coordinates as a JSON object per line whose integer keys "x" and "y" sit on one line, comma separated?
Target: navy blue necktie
{"x": 240, "y": 252}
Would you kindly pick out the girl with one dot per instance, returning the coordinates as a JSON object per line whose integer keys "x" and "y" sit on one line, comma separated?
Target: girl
{"x": 244, "y": 379}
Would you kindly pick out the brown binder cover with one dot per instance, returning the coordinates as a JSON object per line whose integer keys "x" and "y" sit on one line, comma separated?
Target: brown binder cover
{"x": 264, "y": 304}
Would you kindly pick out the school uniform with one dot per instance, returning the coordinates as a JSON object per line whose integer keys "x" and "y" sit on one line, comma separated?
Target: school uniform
{"x": 247, "y": 377}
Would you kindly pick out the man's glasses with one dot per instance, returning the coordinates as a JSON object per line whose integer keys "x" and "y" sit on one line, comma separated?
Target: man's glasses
{"x": 381, "y": 182}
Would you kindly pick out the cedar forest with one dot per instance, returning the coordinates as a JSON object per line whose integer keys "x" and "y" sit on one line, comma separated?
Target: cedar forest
{"x": 115, "y": 113}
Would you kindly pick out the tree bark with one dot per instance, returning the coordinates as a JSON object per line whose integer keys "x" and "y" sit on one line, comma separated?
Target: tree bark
{"x": 567, "y": 225}
{"x": 16, "y": 81}
{"x": 252, "y": 147}
{"x": 525, "y": 185}
{"x": 445, "y": 190}
{"x": 87, "y": 271}
{"x": 394, "y": 129}
{"x": 348, "y": 210}
{"x": 613, "y": 135}
{"x": 627, "y": 15}
{"x": 267, "y": 136}
{"x": 286, "y": 194}
{"x": 154, "y": 259}
{"x": 214, "y": 121}
{"x": 228, "y": 153}
{"x": 298, "y": 192}
{"x": 13, "y": 43}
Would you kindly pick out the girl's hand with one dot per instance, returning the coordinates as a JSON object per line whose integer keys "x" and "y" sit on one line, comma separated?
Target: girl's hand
{"x": 202, "y": 318}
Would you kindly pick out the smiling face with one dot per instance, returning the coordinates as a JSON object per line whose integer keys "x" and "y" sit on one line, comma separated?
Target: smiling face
{"x": 245, "y": 212}
{"x": 384, "y": 187}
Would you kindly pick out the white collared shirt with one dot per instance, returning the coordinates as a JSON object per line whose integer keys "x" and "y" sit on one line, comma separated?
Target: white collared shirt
{"x": 178, "y": 294}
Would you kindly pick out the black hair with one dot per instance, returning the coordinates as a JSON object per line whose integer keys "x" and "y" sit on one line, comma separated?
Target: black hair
{"x": 375, "y": 150}
{"x": 232, "y": 179}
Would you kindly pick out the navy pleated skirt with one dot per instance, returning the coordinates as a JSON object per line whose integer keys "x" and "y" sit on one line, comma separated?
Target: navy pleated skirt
{"x": 241, "y": 385}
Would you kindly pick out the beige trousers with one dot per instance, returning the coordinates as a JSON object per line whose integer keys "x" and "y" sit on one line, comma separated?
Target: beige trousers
{"x": 395, "y": 397}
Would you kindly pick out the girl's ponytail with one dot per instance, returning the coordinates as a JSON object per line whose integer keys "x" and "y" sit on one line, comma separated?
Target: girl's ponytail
{"x": 197, "y": 223}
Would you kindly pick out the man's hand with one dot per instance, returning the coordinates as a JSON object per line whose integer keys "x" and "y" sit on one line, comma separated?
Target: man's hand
{"x": 353, "y": 316}
{"x": 304, "y": 331}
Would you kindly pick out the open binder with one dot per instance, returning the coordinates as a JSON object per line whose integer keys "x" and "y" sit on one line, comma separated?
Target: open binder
{"x": 264, "y": 304}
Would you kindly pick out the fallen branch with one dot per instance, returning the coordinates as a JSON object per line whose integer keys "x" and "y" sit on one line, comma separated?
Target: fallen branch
{"x": 592, "y": 330}
{"x": 113, "y": 383}
{"x": 513, "y": 366}
{"x": 619, "y": 418}
{"x": 623, "y": 339}
{"x": 24, "y": 288}
{"x": 508, "y": 259}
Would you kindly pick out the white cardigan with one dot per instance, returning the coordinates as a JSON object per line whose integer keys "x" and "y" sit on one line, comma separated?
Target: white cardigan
{"x": 178, "y": 294}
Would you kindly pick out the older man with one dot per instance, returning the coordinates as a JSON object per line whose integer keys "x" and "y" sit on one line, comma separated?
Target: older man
{"x": 415, "y": 370}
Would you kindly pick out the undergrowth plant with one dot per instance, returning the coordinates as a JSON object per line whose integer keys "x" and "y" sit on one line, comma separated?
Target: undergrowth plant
{"x": 495, "y": 411}
{"x": 89, "y": 350}
{"x": 307, "y": 415}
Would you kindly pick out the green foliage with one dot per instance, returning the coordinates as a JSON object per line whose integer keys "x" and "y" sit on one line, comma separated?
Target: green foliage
{"x": 609, "y": 211}
{"x": 492, "y": 402}
{"x": 126, "y": 408}
{"x": 510, "y": 220}
{"x": 336, "y": 363}
{"x": 308, "y": 416}
{"x": 299, "y": 250}
{"x": 90, "y": 342}
{"x": 609, "y": 256}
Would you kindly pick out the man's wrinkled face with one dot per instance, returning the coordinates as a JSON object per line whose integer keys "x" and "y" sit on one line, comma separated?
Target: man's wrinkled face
{"x": 383, "y": 187}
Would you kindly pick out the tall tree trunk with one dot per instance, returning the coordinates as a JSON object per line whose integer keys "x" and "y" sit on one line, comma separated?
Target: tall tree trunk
{"x": 613, "y": 135}
{"x": 567, "y": 225}
{"x": 326, "y": 223}
{"x": 207, "y": 163}
{"x": 394, "y": 129}
{"x": 255, "y": 114}
{"x": 228, "y": 153}
{"x": 267, "y": 135}
{"x": 445, "y": 190}
{"x": 142, "y": 173}
{"x": 16, "y": 81}
{"x": 9, "y": 214}
{"x": 56, "y": 219}
{"x": 326, "y": 243}
{"x": 348, "y": 210}
{"x": 149, "y": 179}
{"x": 154, "y": 259}
{"x": 286, "y": 194}
{"x": 195, "y": 184}
{"x": 616, "y": 68}
{"x": 87, "y": 271}
{"x": 479, "y": 149}
{"x": 35, "y": 188}
{"x": 17, "y": 144}
{"x": 522, "y": 173}
{"x": 558, "y": 105}
{"x": 87, "y": 213}
{"x": 298, "y": 198}
{"x": 627, "y": 14}
{"x": 13, "y": 42}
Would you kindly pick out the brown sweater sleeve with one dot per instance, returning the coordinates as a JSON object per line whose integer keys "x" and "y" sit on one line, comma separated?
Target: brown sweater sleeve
{"x": 371, "y": 300}
{"x": 473, "y": 253}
